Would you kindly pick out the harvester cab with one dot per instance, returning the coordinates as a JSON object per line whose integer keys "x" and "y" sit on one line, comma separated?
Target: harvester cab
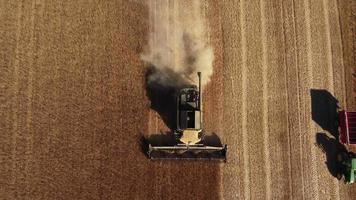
{"x": 189, "y": 134}
{"x": 189, "y": 130}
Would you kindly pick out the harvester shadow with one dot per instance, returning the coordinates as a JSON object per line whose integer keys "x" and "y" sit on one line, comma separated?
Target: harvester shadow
{"x": 324, "y": 110}
{"x": 163, "y": 139}
{"x": 333, "y": 150}
{"x": 212, "y": 140}
{"x": 161, "y": 88}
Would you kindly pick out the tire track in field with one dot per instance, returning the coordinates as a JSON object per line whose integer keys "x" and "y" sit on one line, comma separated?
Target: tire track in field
{"x": 213, "y": 18}
{"x": 336, "y": 52}
{"x": 293, "y": 99}
{"x": 11, "y": 18}
{"x": 329, "y": 48}
{"x": 254, "y": 98}
{"x": 278, "y": 143}
{"x": 232, "y": 60}
{"x": 265, "y": 98}
{"x": 46, "y": 100}
{"x": 299, "y": 99}
{"x": 29, "y": 115}
{"x": 309, "y": 83}
{"x": 14, "y": 109}
{"x": 284, "y": 64}
{"x": 245, "y": 148}
{"x": 304, "y": 73}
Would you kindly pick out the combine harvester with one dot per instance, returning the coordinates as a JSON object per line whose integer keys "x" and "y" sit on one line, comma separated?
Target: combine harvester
{"x": 347, "y": 129}
{"x": 189, "y": 135}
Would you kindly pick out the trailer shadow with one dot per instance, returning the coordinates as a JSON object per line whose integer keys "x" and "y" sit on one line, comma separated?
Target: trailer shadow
{"x": 163, "y": 139}
{"x": 162, "y": 87}
{"x": 324, "y": 110}
{"x": 333, "y": 150}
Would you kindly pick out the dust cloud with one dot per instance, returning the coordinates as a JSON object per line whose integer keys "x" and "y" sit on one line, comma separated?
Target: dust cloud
{"x": 178, "y": 44}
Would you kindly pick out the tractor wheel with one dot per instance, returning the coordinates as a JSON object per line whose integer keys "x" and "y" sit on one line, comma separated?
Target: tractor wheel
{"x": 342, "y": 156}
{"x": 339, "y": 176}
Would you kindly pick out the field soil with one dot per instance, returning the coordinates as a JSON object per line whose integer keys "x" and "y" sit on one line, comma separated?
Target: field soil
{"x": 74, "y": 106}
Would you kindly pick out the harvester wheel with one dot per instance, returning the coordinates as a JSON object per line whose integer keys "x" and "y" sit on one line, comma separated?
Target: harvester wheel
{"x": 337, "y": 120}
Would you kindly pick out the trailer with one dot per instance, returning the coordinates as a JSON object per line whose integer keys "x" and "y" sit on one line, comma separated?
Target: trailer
{"x": 347, "y": 127}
